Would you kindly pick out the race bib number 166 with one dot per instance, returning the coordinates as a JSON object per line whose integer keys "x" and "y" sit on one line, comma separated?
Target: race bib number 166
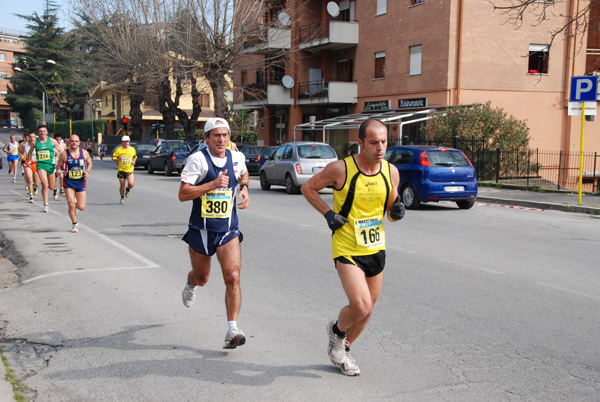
{"x": 369, "y": 232}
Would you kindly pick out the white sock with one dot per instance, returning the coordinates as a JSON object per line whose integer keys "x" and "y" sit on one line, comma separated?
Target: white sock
{"x": 231, "y": 324}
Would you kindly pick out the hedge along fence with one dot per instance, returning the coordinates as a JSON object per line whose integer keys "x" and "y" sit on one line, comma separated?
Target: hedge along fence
{"x": 83, "y": 128}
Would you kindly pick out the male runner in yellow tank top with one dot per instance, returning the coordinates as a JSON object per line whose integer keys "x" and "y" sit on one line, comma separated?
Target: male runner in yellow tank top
{"x": 365, "y": 187}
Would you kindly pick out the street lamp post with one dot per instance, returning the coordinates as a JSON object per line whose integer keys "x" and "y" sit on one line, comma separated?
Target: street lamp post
{"x": 88, "y": 90}
{"x": 44, "y": 107}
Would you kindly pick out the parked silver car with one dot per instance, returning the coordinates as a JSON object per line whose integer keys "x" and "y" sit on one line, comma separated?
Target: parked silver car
{"x": 293, "y": 163}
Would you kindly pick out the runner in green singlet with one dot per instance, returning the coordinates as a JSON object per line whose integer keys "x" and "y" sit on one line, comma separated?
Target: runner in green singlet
{"x": 45, "y": 149}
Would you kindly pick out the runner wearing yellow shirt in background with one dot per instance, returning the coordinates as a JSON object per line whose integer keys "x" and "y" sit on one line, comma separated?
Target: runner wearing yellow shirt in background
{"x": 125, "y": 156}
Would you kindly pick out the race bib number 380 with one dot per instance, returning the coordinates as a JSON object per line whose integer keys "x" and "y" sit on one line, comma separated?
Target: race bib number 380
{"x": 217, "y": 204}
{"x": 369, "y": 232}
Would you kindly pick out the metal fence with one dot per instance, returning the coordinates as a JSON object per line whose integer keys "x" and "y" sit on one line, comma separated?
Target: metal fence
{"x": 531, "y": 168}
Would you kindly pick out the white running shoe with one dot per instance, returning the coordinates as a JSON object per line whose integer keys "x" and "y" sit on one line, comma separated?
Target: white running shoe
{"x": 30, "y": 198}
{"x": 75, "y": 228}
{"x": 126, "y": 193}
{"x": 234, "y": 338}
{"x": 337, "y": 346}
{"x": 188, "y": 295}
{"x": 122, "y": 202}
{"x": 45, "y": 208}
{"x": 348, "y": 366}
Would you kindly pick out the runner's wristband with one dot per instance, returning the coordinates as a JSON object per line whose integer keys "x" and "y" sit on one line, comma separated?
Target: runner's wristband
{"x": 244, "y": 184}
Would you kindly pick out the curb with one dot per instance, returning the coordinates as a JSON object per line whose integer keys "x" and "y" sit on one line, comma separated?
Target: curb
{"x": 542, "y": 205}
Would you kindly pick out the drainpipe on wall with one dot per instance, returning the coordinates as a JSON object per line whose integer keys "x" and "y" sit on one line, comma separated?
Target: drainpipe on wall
{"x": 459, "y": 52}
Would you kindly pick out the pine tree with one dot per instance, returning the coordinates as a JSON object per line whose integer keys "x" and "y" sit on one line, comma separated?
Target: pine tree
{"x": 46, "y": 41}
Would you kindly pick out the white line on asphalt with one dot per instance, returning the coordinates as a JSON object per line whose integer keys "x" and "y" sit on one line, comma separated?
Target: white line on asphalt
{"x": 548, "y": 285}
{"x": 489, "y": 271}
{"x": 148, "y": 263}
{"x": 83, "y": 271}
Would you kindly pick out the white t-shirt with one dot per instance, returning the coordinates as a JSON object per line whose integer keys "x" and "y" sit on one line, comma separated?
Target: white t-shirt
{"x": 196, "y": 166}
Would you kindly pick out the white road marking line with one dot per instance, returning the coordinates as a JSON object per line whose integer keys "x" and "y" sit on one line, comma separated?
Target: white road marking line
{"x": 489, "y": 271}
{"x": 83, "y": 271}
{"x": 148, "y": 264}
{"x": 548, "y": 285}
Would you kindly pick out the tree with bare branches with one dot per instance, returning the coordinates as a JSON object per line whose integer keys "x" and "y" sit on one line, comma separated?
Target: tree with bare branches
{"x": 165, "y": 46}
{"x": 574, "y": 24}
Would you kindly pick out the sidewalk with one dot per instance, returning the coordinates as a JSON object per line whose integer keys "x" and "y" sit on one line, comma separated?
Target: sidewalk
{"x": 549, "y": 200}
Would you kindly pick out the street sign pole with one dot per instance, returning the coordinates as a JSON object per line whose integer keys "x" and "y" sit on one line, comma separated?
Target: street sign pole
{"x": 583, "y": 89}
{"x": 581, "y": 152}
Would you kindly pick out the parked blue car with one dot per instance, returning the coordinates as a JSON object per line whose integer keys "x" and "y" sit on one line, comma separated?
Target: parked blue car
{"x": 266, "y": 155}
{"x": 432, "y": 174}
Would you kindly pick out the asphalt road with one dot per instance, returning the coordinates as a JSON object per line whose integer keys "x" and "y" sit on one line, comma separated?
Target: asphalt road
{"x": 489, "y": 304}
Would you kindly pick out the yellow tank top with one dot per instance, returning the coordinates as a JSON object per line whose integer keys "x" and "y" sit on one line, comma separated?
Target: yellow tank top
{"x": 362, "y": 200}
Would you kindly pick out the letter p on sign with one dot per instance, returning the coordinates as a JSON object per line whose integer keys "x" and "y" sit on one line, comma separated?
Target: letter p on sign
{"x": 584, "y": 89}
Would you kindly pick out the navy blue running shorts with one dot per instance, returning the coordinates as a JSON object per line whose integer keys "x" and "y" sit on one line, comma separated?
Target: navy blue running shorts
{"x": 206, "y": 243}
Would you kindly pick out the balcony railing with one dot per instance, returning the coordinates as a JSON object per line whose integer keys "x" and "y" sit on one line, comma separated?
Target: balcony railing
{"x": 327, "y": 92}
{"x": 266, "y": 94}
{"x": 329, "y": 34}
{"x": 266, "y": 39}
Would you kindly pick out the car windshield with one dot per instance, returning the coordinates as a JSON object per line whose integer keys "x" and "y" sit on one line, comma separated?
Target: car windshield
{"x": 249, "y": 150}
{"x": 316, "y": 151}
{"x": 145, "y": 147}
{"x": 447, "y": 158}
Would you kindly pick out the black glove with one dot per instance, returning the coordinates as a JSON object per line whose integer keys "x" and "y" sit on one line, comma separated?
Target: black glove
{"x": 335, "y": 221}
{"x": 397, "y": 210}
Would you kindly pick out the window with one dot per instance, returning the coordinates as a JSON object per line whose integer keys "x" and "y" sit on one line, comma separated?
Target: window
{"x": 345, "y": 70}
{"x": 381, "y": 7}
{"x": 2, "y": 56}
{"x": 113, "y": 102}
{"x": 3, "y": 76}
{"x": 288, "y": 153}
{"x": 3, "y": 94}
{"x": 538, "y": 59}
{"x": 244, "y": 77}
{"x": 415, "y": 60}
{"x": 260, "y": 76}
{"x": 204, "y": 100}
{"x": 380, "y": 65}
{"x": 346, "y": 10}
{"x": 415, "y": 2}
{"x": 279, "y": 153}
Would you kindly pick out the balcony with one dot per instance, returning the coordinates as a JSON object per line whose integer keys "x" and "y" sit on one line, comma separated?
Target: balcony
{"x": 266, "y": 95}
{"x": 329, "y": 34}
{"x": 320, "y": 92}
{"x": 267, "y": 40}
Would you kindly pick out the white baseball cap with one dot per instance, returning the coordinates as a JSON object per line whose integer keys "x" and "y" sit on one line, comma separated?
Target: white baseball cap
{"x": 125, "y": 138}
{"x": 215, "y": 122}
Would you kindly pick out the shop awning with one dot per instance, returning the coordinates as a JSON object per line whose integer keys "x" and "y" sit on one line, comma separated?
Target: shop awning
{"x": 398, "y": 117}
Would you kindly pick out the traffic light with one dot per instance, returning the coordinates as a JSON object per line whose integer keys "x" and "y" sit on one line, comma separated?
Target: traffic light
{"x": 124, "y": 121}
{"x": 157, "y": 127}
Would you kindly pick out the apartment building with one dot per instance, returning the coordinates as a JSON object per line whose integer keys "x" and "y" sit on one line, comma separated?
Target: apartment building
{"x": 308, "y": 60}
{"x": 113, "y": 103}
{"x": 11, "y": 47}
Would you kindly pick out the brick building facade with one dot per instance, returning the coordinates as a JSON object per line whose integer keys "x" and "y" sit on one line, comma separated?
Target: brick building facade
{"x": 435, "y": 53}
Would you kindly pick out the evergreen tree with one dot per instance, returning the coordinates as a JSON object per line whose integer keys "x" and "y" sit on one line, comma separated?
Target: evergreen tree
{"x": 46, "y": 41}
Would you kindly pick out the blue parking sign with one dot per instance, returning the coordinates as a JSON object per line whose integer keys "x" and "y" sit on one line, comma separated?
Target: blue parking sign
{"x": 584, "y": 89}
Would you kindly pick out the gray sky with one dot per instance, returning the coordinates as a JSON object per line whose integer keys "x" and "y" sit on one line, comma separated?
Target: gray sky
{"x": 11, "y": 22}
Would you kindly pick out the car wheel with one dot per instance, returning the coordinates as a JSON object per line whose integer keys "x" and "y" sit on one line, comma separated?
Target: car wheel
{"x": 150, "y": 170}
{"x": 290, "y": 187}
{"x": 168, "y": 170}
{"x": 264, "y": 183}
{"x": 465, "y": 204}
{"x": 410, "y": 197}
